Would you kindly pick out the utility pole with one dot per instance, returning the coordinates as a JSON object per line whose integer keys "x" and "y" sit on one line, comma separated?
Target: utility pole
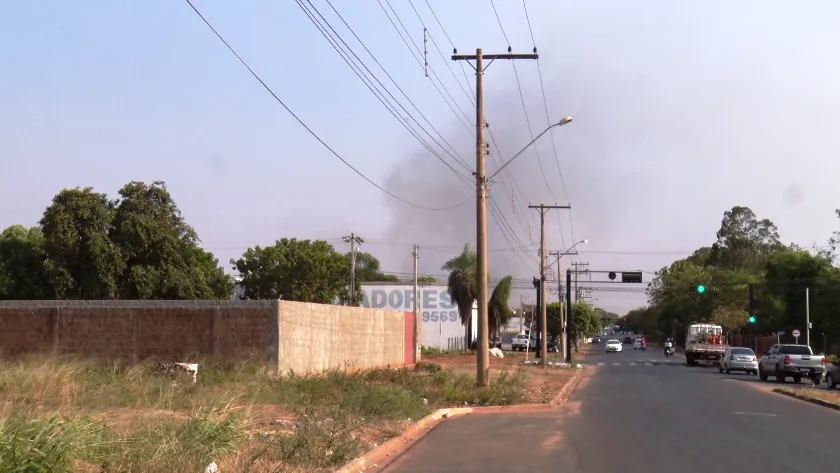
{"x": 543, "y": 258}
{"x": 577, "y": 265}
{"x": 353, "y": 239}
{"x": 808, "y": 316}
{"x": 417, "y": 324}
{"x": 521, "y": 313}
{"x": 483, "y": 355}
{"x": 569, "y": 320}
{"x": 564, "y": 339}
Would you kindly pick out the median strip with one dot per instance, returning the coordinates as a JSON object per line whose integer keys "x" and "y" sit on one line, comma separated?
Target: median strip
{"x": 819, "y": 397}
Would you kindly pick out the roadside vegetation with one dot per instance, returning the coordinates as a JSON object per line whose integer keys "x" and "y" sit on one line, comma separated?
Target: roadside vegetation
{"x": 63, "y": 415}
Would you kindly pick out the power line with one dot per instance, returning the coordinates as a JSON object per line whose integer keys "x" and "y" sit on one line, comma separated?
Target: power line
{"x": 301, "y": 122}
{"x": 548, "y": 118}
{"x": 333, "y": 38}
{"x": 528, "y": 120}
{"x": 523, "y": 221}
{"x": 451, "y": 100}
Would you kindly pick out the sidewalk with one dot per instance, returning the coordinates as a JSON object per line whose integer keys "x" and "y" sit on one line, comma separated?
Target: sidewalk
{"x": 511, "y": 442}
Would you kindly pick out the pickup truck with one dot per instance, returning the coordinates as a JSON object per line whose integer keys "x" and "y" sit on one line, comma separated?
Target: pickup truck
{"x": 520, "y": 342}
{"x": 784, "y": 361}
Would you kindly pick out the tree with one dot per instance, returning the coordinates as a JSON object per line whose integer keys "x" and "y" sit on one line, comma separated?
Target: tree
{"x": 82, "y": 261}
{"x": 295, "y": 270}
{"x": 553, "y": 319}
{"x": 160, "y": 251}
{"x": 498, "y": 311}
{"x": 744, "y": 241}
{"x": 23, "y": 264}
{"x": 462, "y": 286}
{"x": 584, "y": 322}
{"x": 426, "y": 280}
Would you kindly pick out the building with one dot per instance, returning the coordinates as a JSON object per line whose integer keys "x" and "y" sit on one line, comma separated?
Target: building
{"x": 441, "y": 324}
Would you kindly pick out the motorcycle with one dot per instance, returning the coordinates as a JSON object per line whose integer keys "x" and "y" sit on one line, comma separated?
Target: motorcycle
{"x": 669, "y": 349}
{"x": 644, "y": 346}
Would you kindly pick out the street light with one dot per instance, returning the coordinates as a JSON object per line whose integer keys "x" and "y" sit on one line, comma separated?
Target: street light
{"x": 564, "y": 121}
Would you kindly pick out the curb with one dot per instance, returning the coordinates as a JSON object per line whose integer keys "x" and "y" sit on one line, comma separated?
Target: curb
{"x": 818, "y": 402}
{"x": 381, "y": 456}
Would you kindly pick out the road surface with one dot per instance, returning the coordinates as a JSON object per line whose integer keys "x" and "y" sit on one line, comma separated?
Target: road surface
{"x": 640, "y": 412}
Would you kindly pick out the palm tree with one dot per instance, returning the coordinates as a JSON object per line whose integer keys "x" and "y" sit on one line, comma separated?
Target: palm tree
{"x": 497, "y": 309}
{"x": 462, "y": 286}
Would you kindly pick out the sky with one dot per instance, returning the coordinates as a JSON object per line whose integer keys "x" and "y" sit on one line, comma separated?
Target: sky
{"x": 681, "y": 111}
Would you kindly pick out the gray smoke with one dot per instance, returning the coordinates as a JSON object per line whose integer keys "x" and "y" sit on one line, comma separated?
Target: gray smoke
{"x": 588, "y": 172}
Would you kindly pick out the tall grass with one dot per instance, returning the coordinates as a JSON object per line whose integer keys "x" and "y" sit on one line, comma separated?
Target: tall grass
{"x": 61, "y": 415}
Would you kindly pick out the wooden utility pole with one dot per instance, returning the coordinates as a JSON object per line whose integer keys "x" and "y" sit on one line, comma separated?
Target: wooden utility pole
{"x": 353, "y": 239}
{"x": 483, "y": 355}
{"x": 543, "y": 257}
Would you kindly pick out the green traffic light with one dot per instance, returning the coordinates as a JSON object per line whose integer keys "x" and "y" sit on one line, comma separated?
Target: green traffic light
{"x": 701, "y": 289}
{"x": 752, "y": 319}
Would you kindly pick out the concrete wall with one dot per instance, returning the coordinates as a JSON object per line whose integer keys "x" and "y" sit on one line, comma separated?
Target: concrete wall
{"x": 315, "y": 337}
{"x": 287, "y": 335}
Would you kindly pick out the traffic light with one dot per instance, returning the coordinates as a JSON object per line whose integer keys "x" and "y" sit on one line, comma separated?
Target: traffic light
{"x": 752, "y": 319}
{"x": 701, "y": 289}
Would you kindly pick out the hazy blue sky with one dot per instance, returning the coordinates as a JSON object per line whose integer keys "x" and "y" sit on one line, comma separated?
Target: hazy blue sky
{"x": 682, "y": 110}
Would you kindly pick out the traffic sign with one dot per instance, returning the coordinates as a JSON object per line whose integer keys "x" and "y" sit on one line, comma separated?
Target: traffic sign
{"x": 780, "y": 332}
{"x": 796, "y": 333}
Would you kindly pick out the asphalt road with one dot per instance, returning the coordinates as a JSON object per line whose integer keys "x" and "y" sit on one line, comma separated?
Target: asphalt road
{"x": 642, "y": 414}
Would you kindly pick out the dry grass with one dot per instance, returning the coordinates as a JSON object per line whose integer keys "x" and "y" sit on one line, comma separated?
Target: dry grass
{"x": 816, "y": 392}
{"x": 63, "y": 415}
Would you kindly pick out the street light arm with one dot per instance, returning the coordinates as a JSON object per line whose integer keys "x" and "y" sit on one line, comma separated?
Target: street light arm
{"x": 560, "y": 123}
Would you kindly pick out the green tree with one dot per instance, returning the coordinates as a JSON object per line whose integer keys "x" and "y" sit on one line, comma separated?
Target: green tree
{"x": 498, "y": 311}
{"x": 160, "y": 251}
{"x": 294, "y": 270}
{"x": 553, "y": 319}
{"x": 82, "y": 261}
{"x": 462, "y": 286}
{"x": 426, "y": 279}
{"x": 584, "y": 322}
{"x": 23, "y": 264}
{"x": 744, "y": 241}
{"x": 368, "y": 269}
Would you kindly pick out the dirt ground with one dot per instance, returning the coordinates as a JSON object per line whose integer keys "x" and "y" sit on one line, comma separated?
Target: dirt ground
{"x": 830, "y": 395}
{"x": 544, "y": 383}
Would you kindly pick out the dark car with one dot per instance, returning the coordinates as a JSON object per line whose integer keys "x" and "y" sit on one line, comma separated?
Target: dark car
{"x": 628, "y": 341}
{"x": 553, "y": 347}
{"x": 596, "y": 340}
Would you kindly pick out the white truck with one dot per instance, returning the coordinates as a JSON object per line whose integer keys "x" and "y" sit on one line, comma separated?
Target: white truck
{"x": 704, "y": 342}
{"x": 523, "y": 342}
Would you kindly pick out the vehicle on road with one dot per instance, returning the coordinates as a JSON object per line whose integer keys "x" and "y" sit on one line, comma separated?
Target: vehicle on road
{"x": 832, "y": 375}
{"x": 596, "y": 340}
{"x": 522, "y": 342}
{"x": 738, "y": 359}
{"x": 613, "y": 345}
{"x": 784, "y": 361}
{"x": 704, "y": 342}
{"x": 669, "y": 347}
{"x": 637, "y": 343}
{"x": 628, "y": 340}
{"x": 553, "y": 346}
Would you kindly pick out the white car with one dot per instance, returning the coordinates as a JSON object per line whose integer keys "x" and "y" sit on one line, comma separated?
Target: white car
{"x": 637, "y": 343}
{"x": 613, "y": 345}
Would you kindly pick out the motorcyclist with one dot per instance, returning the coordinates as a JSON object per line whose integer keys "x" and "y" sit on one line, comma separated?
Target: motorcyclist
{"x": 644, "y": 342}
{"x": 669, "y": 345}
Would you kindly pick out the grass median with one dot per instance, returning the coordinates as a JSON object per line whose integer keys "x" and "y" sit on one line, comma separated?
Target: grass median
{"x": 63, "y": 415}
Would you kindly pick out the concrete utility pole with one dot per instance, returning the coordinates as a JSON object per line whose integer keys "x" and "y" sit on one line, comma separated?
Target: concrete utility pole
{"x": 559, "y": 255}
{"x": 483, "y": 355}
{"x": 577, "y": 266}
{"x": 808, "y": 316}
{"x": 417, "y": 324}
{"x": 353, "y": 239}
{"x": 543, "y": 257}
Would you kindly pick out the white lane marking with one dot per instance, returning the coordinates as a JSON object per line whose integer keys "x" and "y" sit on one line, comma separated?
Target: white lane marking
{"x": 653, "y": 360}
{"x": 616, "y": 363}
{"x": 648, "y": 364}
{"x": 759, "y": 414}
{"x": 632, "y": 364}
{"x": 601, "y": 363}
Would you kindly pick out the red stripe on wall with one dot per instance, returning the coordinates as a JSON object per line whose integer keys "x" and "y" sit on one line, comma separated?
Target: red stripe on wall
{"x": 409, "y": 338}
